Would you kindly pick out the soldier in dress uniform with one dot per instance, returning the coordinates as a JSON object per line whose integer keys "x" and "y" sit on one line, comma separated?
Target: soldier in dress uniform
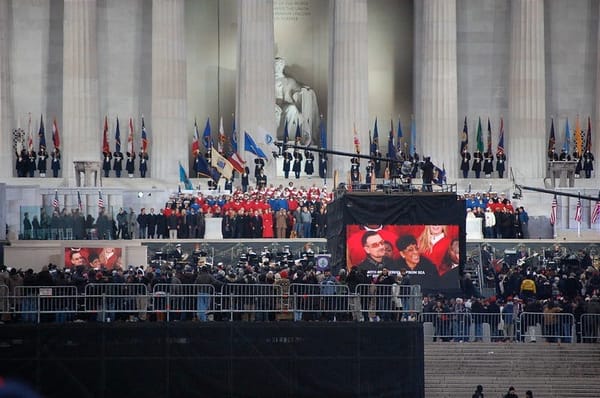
{"x": 118, "y": 163}
{"x": 287, "y": 163}
{"x": 106, "y": 158}
{"x": 42, "y": 161}
{"x": 143, "y": 163}
{"x": 130, "y": 164}
{"x": 500, "y": 163}
{"x": 297, "y": 166}
{"x": 309, "y": 167}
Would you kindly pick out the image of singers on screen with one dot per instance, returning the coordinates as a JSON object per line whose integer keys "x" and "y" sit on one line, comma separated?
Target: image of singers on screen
{"x": 430, "y": 254}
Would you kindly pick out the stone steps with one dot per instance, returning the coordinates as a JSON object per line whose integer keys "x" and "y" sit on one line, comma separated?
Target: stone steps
{"x": 549, "y": 370}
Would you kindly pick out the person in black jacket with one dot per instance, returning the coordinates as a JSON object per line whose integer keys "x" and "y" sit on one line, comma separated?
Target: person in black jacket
{"x": 427, "y": 168}
{"x": 478, "y": 392}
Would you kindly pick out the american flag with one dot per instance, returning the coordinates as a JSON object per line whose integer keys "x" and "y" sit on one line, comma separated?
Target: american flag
{"x": 578, "y": 211}
{"x": 55, "y": 202}
{"x": 596, "y": 212}
{"x": 553, "y": 211}
{"x": 100, "y": 200}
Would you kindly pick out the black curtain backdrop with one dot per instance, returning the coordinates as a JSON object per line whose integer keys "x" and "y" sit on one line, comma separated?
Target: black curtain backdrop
{"x": 218, "y": 359}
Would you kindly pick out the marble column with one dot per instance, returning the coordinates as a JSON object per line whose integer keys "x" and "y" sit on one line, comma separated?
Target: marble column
{"x": 349, "y": 83}
{"x": 255, "y": 107}
{"x": 6, "y": 150}
{"x": 437, "y": 122}
{"x": 170, "y": 143}
{"x": 596, "y": 130}
{"x": 526, "y": 134}
{"x": 81, "y": 121}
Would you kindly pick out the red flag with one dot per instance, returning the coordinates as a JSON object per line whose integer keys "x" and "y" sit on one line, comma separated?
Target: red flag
{"x": 105, "y": 146}
{"x": 553, "y": 211}
{"x": 29, "y": 136}
{"x": 356, "y": 141}
{"x": 55, "y": 134}
{"x": 222, "y": 138}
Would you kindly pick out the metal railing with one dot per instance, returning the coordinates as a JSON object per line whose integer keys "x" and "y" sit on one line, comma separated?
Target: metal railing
{"x": 105, "y": 302}
{"x": 486, "y": 327}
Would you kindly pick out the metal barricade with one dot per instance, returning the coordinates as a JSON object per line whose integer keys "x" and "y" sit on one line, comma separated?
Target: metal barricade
{"x": 550, "y": 326}
{"x": 117, "y": 301}
{"x": 252, "y": 301}
{"x": 386, "y": 302}
{"x": 590, "y": 328}
{"x": 183, "y": 301}
{"x": 45, "y": 303}
{"x": 462, "y": 326}
{"x": 313, "y": 302}
{"x": 5, "y": 303}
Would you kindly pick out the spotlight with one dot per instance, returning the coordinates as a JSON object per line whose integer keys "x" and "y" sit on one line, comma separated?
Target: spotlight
{"x": 140, "y": 194}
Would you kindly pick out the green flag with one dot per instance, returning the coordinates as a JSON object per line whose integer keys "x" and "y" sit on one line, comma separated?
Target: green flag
{"x": 479, "y": 137}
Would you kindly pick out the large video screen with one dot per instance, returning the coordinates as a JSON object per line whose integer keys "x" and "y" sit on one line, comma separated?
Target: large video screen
{"x": 430, "y": 254}
{"x": 94, "y": 257}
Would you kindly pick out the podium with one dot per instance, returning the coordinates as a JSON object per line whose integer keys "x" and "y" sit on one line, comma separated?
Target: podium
{"x": 564, "y": 170}
{"x": 90, "y": 171}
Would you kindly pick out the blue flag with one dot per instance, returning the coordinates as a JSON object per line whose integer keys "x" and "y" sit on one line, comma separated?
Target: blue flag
{"x": 207, "y": 135}
{"x": 234, "y": 137}
{"x": 464, "y": 140}
{"x": 375, "y": 142}
{"x": 323, "y": 132}
{"x": 413, "y": 136}
{"x": 252, "y": 147}
{"x": 117, "y": 138}
{"x": 439, "y": 175}
{"x": 286, "y": 133}
{"x": 42, "y": 133}
{"x": 567, "y": 143}
{"x": 184, "y": 178}
{"x": 399, "y": 139}
{"x": 298, "y": 134}
{"x": 391, "y": 151}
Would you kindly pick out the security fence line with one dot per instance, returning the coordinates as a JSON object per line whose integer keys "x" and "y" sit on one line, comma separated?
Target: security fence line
{"x": 105, "y": 302}
{"x": 524, "y": 327}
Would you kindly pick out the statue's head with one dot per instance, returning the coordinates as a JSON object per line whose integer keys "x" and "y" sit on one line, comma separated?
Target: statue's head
{"x": 279, "y": 64}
